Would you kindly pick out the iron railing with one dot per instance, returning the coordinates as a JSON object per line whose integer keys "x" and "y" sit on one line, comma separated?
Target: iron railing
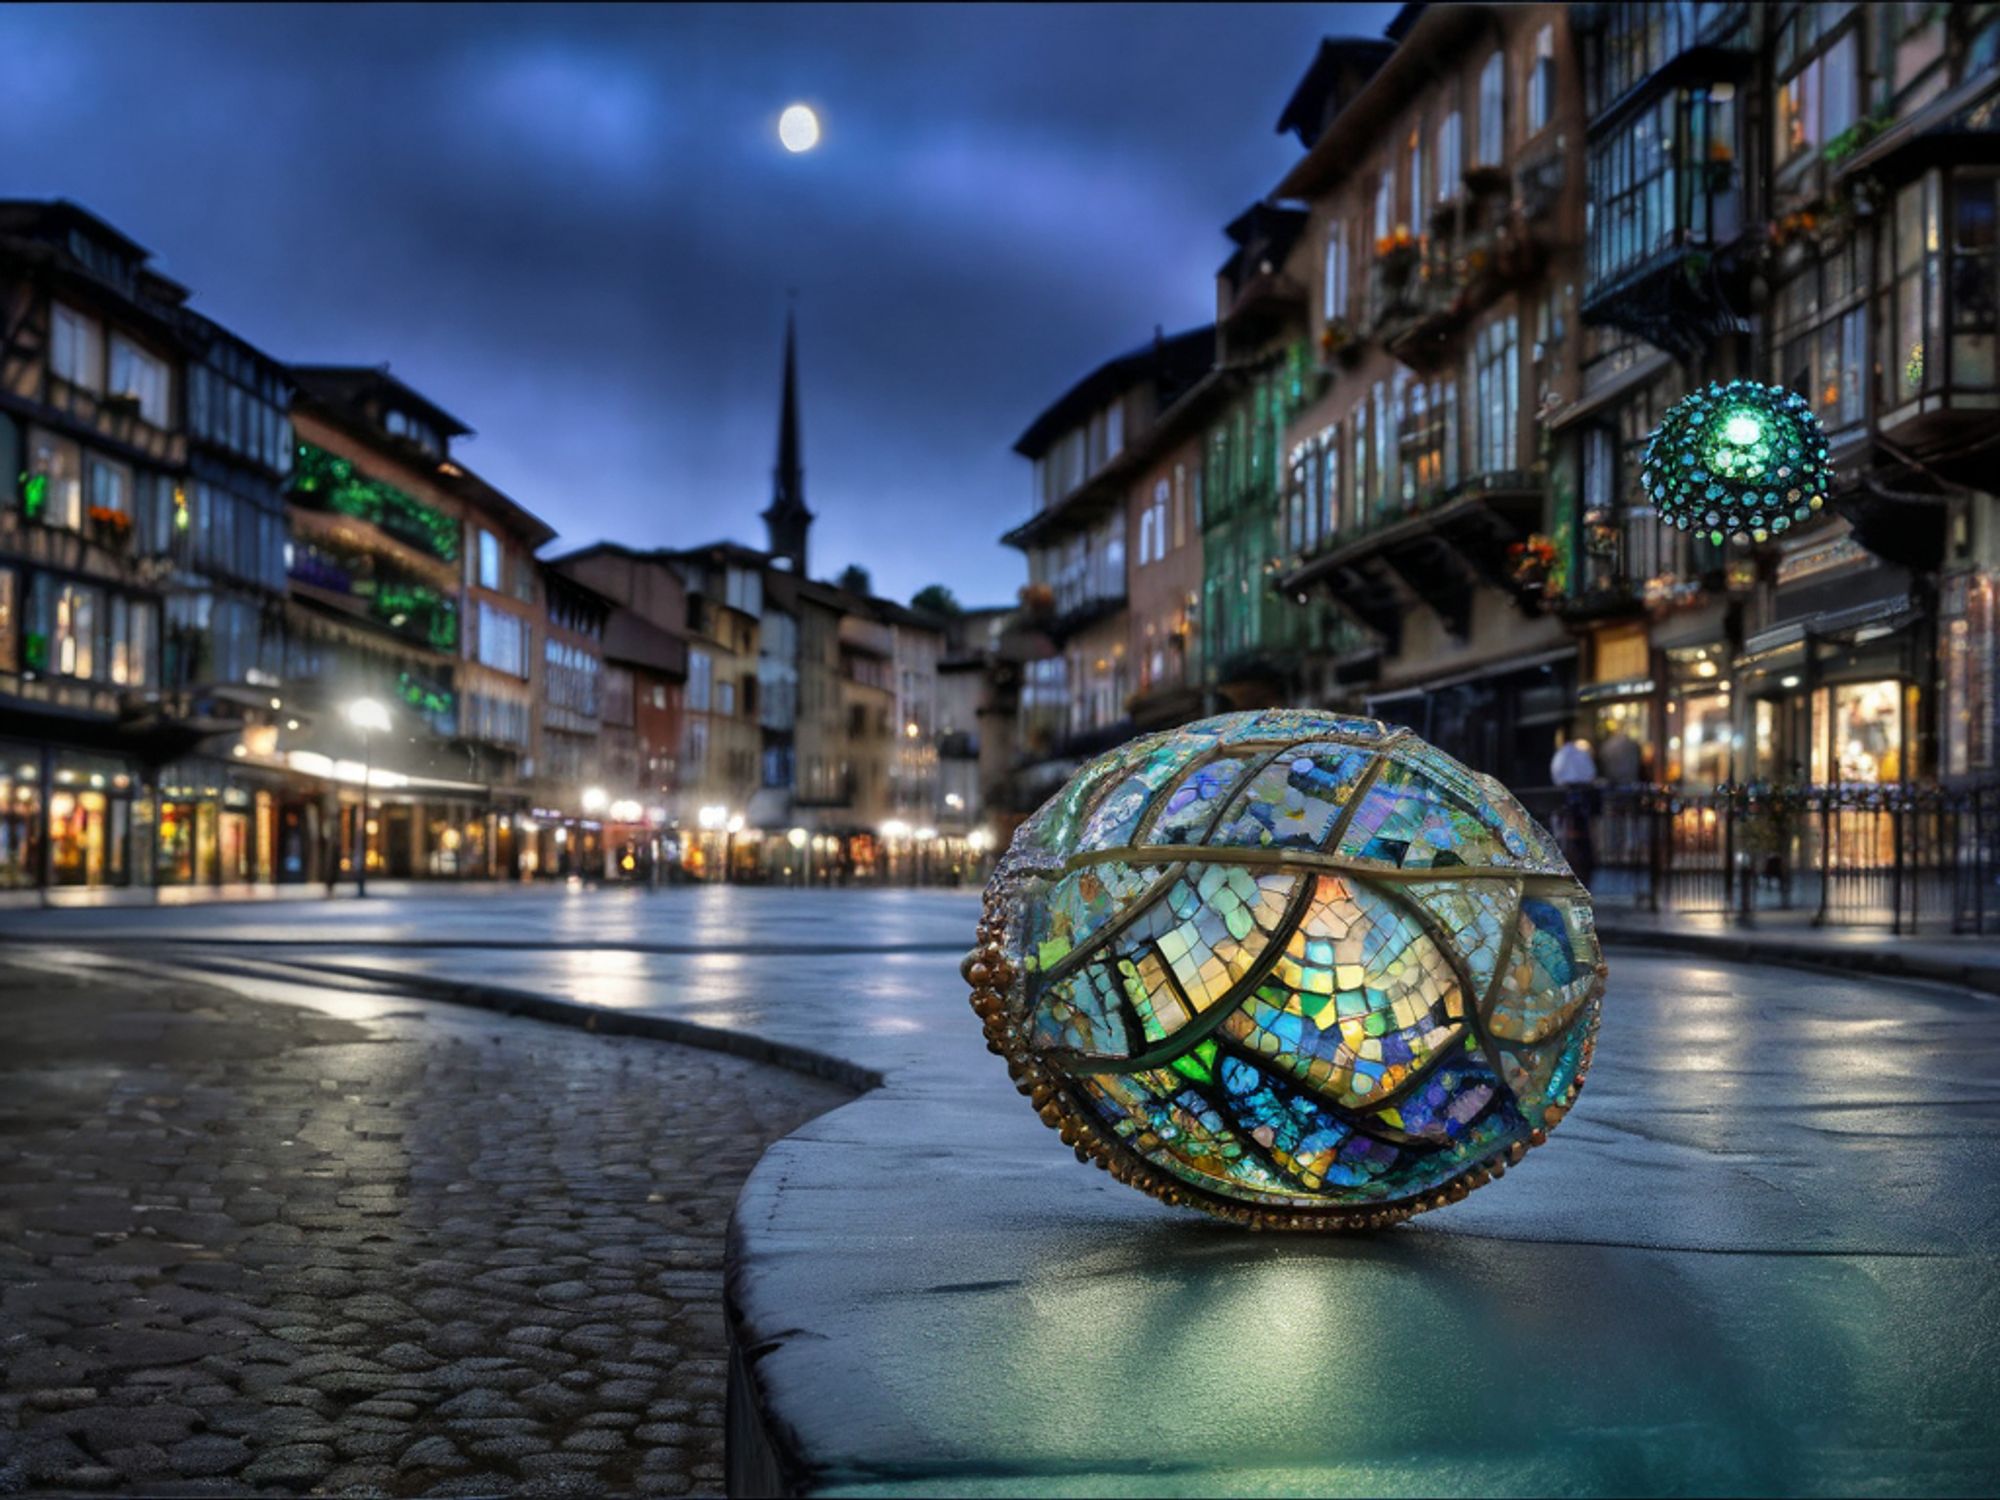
{"x": 1910, "y": 857}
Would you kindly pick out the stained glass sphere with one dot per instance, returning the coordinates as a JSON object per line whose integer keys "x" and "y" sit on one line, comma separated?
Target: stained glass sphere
{"x": 1737, "y": 460}
{"x": 1296, "y": 969}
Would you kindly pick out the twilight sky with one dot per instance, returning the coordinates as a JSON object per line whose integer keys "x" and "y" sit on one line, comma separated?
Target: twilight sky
{"x": 574, "y": 228}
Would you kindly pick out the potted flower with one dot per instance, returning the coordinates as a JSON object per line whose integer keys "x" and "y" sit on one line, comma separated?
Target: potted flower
{"x": 1532, "y": 559}
{"x": 1397, "y": 253}
{"x": 1337, "y": 341}
{"x": 110, "y": 528}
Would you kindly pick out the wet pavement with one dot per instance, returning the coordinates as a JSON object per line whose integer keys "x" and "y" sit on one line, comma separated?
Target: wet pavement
{"x": 1758, "y": 1256}
{"x": 360, "y": 1244}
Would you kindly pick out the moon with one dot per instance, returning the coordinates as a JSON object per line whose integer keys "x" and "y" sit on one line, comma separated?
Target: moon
{"x": 798, "y": 129}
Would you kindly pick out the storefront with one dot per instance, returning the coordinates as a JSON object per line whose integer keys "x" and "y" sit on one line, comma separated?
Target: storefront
{"x": 1700, "y": 717}
{"x": 1617, "y": 707}
{"x": 85, "y": 828}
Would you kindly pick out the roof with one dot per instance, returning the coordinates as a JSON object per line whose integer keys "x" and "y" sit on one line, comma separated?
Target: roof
{"x": 468, "y": 486}
{"x": 1175, "y": 363}
{"x": 1321, "y": 93}
{"x": 1423, "y": 34}
{"x": 1266, "y": 227}
{"x": 39, "y": 215}
{"x": 630, "y": 637}
{"x": 353, "y": 385}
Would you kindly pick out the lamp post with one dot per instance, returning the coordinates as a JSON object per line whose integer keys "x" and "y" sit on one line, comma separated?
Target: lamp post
{"x": 368, "y": 716}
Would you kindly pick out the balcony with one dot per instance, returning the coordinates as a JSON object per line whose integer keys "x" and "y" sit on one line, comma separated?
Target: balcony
{"x": 1421, "y": 315}
{"x": 1435, "y": 557}
{"x": 1079, "y": 616}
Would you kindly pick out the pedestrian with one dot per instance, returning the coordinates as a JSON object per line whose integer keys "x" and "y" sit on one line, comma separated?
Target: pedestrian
{"x": 1619, "y": 758}
{"x": 1573, "y": 769}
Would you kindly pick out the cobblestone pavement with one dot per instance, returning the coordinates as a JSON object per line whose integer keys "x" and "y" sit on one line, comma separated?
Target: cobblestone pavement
{"x": 250, "y": 1246}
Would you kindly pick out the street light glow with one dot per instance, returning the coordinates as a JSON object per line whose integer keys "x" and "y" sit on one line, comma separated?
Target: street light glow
{"x": 895, "y": 828}
{"x": 368, "y": 715}
{"x": 796, "y": 838}
{"x": 798, "y": 129}
{"x": 593, "y": 799}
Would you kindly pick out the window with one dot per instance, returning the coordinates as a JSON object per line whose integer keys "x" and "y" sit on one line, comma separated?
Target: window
{"x": 1542, "y": 80}
{"x": 1668, "y": 177}
{"x": 1492, "y": 111}
{"x": 110, "y": 487}
{"x": 142, "y": 378}
{"x": 1329, "y": 485}
{"x": 1938, "y": 314}
{"x": 1336, "y": 272}
{"x": 1820, "y": 327}
{"x": 1114, "y": 430}
{"x": 503, "y": 641}
{"x": 1358, "y": 512}
{"x": 1449, "y": 166}
{"x": 1819, "y": 101}
{"x": 1417, "y": 197}
{"x": 1385, "y": 204}
{"x": 54, "y": 491}
{"x": 1180, "y": 505}
{"x": 75, "y": 351}
{"x": 76, "y": 630}
{"x": 744, "y": 590}
{"x": 489, "y": 560}
{"x": 725, "y": 698}
{"x": 700, "y": 676}
{"x": 1427, "y": 437}
{"x": 1496, "y": 377}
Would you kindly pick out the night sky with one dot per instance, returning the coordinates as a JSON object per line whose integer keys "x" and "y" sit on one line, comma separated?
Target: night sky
{"x": 575, "y": 228}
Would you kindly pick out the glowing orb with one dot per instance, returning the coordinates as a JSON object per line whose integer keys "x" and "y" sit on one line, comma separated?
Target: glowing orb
{"x": 1294, "y": 969}
{"x": 798, "y": 129}
{"x": 1738, "y": 459}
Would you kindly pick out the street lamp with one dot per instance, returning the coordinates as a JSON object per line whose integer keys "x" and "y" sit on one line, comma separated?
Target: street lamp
{"x": 370, "y": 717}
{"x": 797, "y": 839}
{"x": 593, "y": 799}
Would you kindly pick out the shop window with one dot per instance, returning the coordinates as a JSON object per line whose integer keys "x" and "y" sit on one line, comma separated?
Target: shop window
{"x": 1969, "y": 645}
{"x": 20, "y": 822}
{"x": 1865, "y": 732}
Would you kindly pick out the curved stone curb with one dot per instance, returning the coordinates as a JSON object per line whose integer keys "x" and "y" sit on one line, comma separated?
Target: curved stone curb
{"x": 592, "y": 1018}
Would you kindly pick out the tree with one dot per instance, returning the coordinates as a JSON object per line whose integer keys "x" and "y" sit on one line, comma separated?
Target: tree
{"x": 937, "y": 599}
{"x": 854, "y": 578}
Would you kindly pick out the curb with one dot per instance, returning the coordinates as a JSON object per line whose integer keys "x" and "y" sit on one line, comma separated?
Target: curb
{"x": 574, "y": 1013}
{"x": 1982, "y": 979}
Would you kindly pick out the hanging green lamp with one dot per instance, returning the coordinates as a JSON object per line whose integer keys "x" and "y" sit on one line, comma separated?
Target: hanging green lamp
{"x": 1738, "y": 460}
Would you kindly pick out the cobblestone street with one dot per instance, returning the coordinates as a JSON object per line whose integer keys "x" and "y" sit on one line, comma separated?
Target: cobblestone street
{"x": 249, "y": 1246}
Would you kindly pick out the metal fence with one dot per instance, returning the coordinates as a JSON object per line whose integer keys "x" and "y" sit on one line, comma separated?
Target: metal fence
{"x": 1909, "y": 857}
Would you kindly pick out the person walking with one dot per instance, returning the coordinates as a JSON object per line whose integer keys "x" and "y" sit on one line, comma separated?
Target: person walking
{"x": 1573, "y": 769}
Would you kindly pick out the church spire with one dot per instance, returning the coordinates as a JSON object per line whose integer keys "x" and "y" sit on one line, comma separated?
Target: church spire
{"x": 787, "y": 520}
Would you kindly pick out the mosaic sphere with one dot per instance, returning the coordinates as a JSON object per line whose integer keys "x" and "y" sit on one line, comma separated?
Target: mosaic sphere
{"x": 1295, "y": 969}
{"x": 1738, "y": 460}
